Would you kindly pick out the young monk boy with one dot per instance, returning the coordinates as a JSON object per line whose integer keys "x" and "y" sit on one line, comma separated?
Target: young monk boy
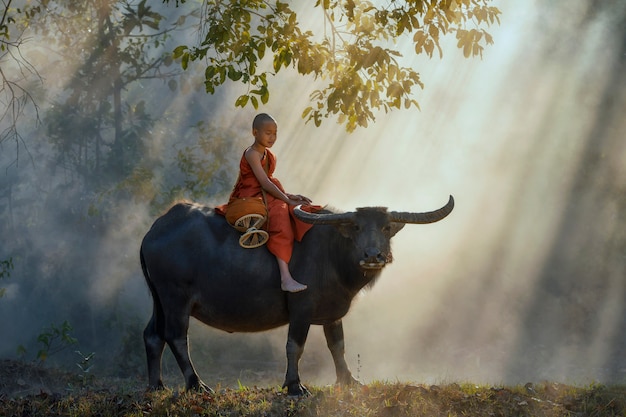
{"x": 283, "y": 226}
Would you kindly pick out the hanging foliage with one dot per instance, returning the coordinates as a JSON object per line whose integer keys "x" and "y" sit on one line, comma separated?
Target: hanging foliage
{"x": 356, "y": 55}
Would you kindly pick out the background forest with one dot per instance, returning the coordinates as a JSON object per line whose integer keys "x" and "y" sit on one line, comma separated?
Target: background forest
{"x": 525, "y": 281}
{"x": 87, "y": 165}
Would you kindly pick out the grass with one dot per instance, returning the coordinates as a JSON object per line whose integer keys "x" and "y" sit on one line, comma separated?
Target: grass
{"x": 376, "y": 399}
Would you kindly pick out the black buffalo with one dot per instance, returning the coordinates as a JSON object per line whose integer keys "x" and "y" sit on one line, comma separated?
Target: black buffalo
{"x": 194, "y": 266}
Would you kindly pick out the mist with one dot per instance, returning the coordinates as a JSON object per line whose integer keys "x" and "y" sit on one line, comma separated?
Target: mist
{"x": 524, "y": 281}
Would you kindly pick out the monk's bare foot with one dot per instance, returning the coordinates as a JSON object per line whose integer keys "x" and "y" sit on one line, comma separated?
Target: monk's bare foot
{"x": 292, "y": 286}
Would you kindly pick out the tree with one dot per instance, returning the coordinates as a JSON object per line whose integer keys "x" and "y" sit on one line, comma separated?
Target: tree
{"x": 14, "y": 97}
{"x": 97, "y": 133}
{"x": 106, "y": 76}
{"x": 91, "y": 124}
{"x": 353, "y": 57}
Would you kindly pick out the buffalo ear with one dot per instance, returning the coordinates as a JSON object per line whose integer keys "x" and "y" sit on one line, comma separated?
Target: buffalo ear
{"x": 347, "y": 229}
{"x": 395, "y": 228}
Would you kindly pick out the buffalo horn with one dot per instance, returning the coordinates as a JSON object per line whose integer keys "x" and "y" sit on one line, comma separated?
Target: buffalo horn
{"x": 323, "y": 218}
{"x": 422, "y": 218}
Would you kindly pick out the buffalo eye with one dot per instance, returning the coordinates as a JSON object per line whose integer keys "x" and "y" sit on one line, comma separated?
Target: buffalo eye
{"x": 349, "y": 230}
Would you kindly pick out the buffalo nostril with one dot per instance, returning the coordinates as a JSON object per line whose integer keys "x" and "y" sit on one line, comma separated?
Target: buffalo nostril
{"x": 374, "y": 254}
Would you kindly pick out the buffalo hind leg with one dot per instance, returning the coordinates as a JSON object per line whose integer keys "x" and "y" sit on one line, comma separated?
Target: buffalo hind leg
{"x": 335, "y": 343}
{"x": 176, "y": 329}
{"x": 296, "y": 339}
{"x": 154, "y": 345}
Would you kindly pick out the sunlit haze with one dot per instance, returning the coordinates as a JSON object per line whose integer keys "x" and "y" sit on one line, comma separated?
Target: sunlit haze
{"x": 526, "y": 279}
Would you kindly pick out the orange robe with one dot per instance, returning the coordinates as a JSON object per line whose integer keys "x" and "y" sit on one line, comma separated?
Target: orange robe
{"x": 283, "y": 227}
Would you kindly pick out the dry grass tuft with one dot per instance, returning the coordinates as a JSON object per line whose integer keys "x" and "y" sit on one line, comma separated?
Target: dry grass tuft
{"x": 376, "y": 399}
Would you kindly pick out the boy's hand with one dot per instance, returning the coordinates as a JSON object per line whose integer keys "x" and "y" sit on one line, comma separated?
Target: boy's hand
{"x": 299, "y": 199}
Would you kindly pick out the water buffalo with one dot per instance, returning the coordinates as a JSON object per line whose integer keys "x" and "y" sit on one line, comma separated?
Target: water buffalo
{"x": 194, "y": 266}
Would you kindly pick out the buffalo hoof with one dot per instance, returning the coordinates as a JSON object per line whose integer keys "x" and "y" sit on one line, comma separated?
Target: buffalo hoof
{"x": 350, "y": 380}
{"x": 156, "y": 387}
{"x": 296, "y": 390}
{"x": 195, "y": 384}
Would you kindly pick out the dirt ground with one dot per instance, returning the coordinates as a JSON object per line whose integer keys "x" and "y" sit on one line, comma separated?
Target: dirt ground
{"x": 19, "y": 379}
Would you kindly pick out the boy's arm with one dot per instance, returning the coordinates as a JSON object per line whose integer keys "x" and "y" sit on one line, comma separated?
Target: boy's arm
{"x": 254, "y": 159}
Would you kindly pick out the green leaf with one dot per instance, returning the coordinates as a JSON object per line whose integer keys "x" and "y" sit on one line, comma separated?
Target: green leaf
{"x": 277, "y": 62}
{"x": 233, "y": 74}
{"x": 44, "y": 338}
{"x": 261, "y": 50}
{"x": 21, "y": 350}
{"x": 242, "y": 101}
{"x": 178, "y": 51}
{"x": 265, "y": 95}
{"x": 185, "y": 60}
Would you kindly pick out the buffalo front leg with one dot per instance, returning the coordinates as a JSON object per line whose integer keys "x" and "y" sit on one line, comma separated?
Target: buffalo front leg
{"x": 296, "y": 339}
{"x": 154, "y": 344}
{"x": 335, "y": 343}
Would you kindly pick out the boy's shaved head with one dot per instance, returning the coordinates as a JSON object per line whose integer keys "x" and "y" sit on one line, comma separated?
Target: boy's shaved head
{"x": 260, "y": 119}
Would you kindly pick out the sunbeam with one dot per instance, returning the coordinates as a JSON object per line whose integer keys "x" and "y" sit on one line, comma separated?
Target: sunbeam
{"x": 524, "y": 281}
{"x": 530, "y": 143}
